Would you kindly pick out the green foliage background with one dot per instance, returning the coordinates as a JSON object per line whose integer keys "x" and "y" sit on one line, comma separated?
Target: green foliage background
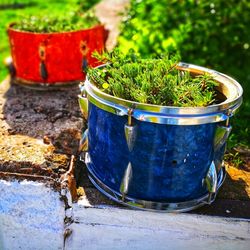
{"x": 213, "y": 34}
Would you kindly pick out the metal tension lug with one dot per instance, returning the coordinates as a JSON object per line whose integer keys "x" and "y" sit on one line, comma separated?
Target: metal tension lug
{"x": 83, "y": 145}
{"x": 211, "y": 183}
{"x": 83, "y": 102}
{"x": 126, "y": 180}
{"x": 222, "y": 135}
{"x": 130, "y": 134}
{"x": 130, "y": 131}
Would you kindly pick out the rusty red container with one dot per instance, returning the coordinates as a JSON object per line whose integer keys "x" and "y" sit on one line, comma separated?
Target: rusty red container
{"x": 54, "y": 59}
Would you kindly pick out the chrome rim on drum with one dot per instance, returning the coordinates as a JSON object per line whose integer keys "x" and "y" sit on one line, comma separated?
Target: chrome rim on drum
{"x": 158, "y": 157}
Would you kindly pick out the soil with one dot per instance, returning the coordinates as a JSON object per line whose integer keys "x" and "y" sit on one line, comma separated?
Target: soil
{"x": 39, "y": 130}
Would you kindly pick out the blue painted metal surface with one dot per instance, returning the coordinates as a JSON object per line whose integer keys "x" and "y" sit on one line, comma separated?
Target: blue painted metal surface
{"x": 169, "y": 162}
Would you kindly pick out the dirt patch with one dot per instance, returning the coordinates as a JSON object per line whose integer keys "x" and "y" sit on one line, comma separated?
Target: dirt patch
{"x": 39, "y": 130}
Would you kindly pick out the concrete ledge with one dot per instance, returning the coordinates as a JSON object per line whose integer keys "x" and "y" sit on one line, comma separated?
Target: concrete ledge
{"x": 31, "y": 216}
{"x": 114, "y": 228}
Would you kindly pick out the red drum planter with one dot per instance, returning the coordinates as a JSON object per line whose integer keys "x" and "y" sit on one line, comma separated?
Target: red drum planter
{"x": 54, "y": 59}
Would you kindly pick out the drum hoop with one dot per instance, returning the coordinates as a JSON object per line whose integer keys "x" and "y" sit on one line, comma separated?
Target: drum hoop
{"x": 45, "y": 86}
{"x": 173, "y": 115}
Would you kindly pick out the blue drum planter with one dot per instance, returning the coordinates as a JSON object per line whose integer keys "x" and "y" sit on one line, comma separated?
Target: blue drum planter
{"x": 158, "y": 157}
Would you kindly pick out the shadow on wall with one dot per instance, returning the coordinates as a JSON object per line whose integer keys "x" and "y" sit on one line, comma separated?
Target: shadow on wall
{"x": 53, "y": 116}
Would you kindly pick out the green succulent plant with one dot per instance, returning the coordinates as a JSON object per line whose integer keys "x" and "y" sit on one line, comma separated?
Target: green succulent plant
{"x": 49, "y": 24}
{"x": 152, "y": 81}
